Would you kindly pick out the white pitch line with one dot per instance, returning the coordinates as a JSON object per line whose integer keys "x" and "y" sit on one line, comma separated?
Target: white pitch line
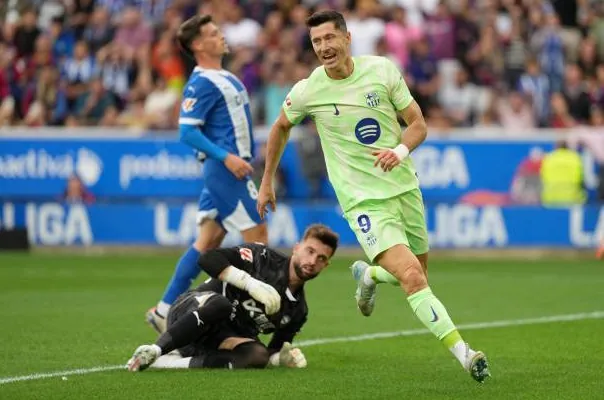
{"x": 461, "y": 327}
{"x": 357, "y": 338}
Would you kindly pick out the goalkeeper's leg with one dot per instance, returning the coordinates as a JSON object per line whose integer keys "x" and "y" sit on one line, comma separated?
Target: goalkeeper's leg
{"x": 406, "y": 267}
{"x": 247, "y": 354}
{"x": 209, "y": 237}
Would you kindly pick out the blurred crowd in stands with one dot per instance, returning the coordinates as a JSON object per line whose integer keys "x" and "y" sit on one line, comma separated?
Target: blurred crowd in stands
{"x": 517, "y": 64}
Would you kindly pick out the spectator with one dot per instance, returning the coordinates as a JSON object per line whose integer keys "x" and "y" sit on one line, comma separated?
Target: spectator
{"x": 399, "y": 35}
{"x": 77, "y": 72}
{"x": 166, "y": 61}
{"x": 127, "y": 42}
{"x": 161, "y": 105}
{"x": 95, "y": 107}
{"x": 515, "y": 115}
{"x": 26, "y": 33}
{"x": 240, "y": 31}
{"x": 422, "y": 73}
{"x": 365, "y": 28}
{"x": 460, "y": 100}
{"x": 439, "y": 29}
{"x": 575, "y": 94}
{"x": 560, "y": 117}
{"x": 63, "y": 39}
{"x": 547, "y": 42}
{"x": 76, "y": 193}
{"x": 99, "y": 32}
{"x": 133, "y": 33}
{"x": 536, "y": 86}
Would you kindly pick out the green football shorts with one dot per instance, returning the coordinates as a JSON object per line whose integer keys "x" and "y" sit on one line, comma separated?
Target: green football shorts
{"x": 382, "y": 224}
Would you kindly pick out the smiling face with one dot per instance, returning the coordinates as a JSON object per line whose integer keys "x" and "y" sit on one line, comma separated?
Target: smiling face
{"x": 331, "y": 45}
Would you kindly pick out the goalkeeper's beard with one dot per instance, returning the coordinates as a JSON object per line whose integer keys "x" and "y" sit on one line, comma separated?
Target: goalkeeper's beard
{"x": 303, "y": 275}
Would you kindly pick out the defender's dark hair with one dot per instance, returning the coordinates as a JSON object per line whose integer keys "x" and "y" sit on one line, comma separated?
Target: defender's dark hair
{"x": 323, "y": 234}
{"x": 189, "y": 30}
{"x": 322, "y": 17}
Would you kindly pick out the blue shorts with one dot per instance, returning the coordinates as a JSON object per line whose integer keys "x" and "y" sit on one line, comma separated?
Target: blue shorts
{"x": 227, "y": 200}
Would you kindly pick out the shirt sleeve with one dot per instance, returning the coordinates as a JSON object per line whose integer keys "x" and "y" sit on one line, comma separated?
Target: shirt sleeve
{"x": 244, "y": 257}
{"x": 294, "y": 105}
{"x": 400, "y": 95}
{"x": 286, "y": 334}
{"x": 199, "y": 97}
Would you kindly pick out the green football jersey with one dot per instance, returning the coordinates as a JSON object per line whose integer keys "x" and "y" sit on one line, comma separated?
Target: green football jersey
{"x": 355, "y": 116}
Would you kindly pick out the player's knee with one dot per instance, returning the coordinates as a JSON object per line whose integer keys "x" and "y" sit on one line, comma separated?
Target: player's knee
{"x": 252, "y": 355}
{"x": 203, "y": 244}
{"x": 413, "y": 278}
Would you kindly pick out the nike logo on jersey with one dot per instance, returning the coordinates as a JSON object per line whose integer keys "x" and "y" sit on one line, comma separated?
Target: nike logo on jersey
{"x": 434, "y": 316}
{"x": 337, "y": 112}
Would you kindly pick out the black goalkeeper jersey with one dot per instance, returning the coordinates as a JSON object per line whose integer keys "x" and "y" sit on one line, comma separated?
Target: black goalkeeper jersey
{"x": 266, "y": 265}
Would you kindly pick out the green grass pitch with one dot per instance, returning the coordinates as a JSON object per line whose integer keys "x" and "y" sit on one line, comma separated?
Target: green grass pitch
{"x": 63, "y": 312}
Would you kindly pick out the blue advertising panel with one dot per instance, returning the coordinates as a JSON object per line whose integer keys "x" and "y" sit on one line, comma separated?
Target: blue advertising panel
{"x": 162, "y": 224}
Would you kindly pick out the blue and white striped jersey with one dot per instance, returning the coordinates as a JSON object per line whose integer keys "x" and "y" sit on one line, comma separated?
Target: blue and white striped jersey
{"x": 218, "y": 104}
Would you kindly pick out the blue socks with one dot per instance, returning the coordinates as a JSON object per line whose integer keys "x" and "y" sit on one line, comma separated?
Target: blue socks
{"x": 186, "y": 272}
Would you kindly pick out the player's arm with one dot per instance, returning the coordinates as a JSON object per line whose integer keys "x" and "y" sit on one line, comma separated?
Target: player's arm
{"x": 286, "y": 334}
{"x": 199, "y": 99}
{"x": 417, "y": 129}
{"x": 407, "y": 109}
{"x": 232, "y": 266}
{"x": 283, "y": 353}
{"x": 292, "y": 113}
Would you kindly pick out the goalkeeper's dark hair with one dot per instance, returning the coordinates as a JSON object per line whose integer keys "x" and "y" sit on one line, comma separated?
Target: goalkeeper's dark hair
{"x": 321, "y": 17}
{"x": 323, "y": 234}
{"x": 190, "y": 30}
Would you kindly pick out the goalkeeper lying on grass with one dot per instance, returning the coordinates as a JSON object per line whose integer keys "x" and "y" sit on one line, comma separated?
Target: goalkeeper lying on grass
{"x": 253, "y": 290}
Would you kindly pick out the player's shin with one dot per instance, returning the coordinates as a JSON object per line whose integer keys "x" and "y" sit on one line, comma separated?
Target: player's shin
{"x": 186, "y": 272}
{"x": 245, "y": 355}
{"x": 190, "y": 326}
{"x": 433, "y": 314}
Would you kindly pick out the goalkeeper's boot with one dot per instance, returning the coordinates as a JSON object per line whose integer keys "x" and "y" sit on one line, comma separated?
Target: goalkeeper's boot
{"x": 365, "y": 294}
{"x": 143, "y": 357}
{"x": 156, "y": 321}
{"x": 477, "y": 365}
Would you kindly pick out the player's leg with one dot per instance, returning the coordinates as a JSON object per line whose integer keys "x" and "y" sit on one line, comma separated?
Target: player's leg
{"x": 417, "y": 235}
{"x": 423, "y": 260}
{"x": 383, "y": 235}
{"x": 194, "y": 315}
{"x": 210, "y": 236}
{"x": 248, "y": 353}
{"x": 256, "y": 234}
{"x": 423, "y": 302}
{"x": 363, "y": 220}
{"x": 403, "y": 264}
{"x": 367, "y": 276}
{"x": 237, "y": 210}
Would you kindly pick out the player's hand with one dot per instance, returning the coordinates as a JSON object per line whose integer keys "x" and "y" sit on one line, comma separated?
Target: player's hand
{"x": 266, "y": 197}
{"x": 386, "y": 159}
{"x": 238, "y": 166}
{"x": 266, "y": 294}
{"x": 291, "y": 357}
